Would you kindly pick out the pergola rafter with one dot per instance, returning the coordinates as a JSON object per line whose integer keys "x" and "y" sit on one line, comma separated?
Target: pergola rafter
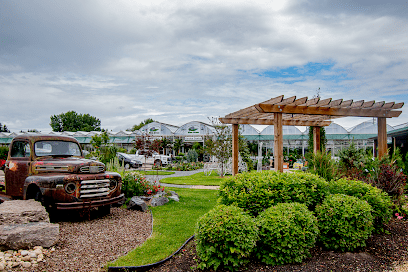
{"x": 315, "y": 112}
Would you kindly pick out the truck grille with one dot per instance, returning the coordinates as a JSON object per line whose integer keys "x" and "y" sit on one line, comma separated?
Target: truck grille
{"x": 94, "y": 188}
{"x": 92, "y": 169}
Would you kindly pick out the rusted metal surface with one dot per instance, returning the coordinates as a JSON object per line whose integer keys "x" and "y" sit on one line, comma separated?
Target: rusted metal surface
{"x": 67, "y": 181}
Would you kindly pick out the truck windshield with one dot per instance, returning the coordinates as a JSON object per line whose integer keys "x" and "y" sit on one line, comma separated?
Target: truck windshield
{"x": 56, "y": 148}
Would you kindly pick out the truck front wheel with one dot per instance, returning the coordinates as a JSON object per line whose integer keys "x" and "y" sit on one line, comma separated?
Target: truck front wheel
{"x": 158, "y": 162}
{"x": 104, "y": 210}
{"x": 35, "y": 193}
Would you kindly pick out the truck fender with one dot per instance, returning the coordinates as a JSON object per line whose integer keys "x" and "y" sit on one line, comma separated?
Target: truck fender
{"x": 44, "y": 184}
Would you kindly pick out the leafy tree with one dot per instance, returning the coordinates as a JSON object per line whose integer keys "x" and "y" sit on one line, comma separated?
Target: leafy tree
{"x": 323, "y": 139}
{"x": 3, "y": 128}
{"x": 142, "y": 124}
{"x": 98, "y": 141}
{"x": 103, "y": 150}
{"x": 72, "y": 121}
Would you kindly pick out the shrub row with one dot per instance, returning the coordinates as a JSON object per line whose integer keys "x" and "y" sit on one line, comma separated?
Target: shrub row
{"x": 257, "y": 191}
{"x": 286, "y": 226}
{"x": 227, "y": 236}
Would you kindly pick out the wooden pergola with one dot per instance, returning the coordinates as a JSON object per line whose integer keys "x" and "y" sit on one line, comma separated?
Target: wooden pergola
{"x": 314, "y": 112}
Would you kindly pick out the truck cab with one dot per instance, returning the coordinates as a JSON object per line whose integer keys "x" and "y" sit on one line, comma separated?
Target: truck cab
{"x": 53, "y": 170}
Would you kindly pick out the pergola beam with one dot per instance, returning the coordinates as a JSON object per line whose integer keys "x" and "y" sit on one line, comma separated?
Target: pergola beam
{"x": 343, "y": 112}
{"x": 254, "y": 121}
{"x": 303, "y": 112}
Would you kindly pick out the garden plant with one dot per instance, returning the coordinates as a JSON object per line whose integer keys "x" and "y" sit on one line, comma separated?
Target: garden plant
{"x": 225, "y": 236}
{"x": 345, "y": 222}
{"x": 287, "y": 232}
{"x": 257, "y": 191}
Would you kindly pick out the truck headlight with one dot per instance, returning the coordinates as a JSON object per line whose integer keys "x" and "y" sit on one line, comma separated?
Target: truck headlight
{"x": 113, "y": 184}
{"x": 70, "y": 188}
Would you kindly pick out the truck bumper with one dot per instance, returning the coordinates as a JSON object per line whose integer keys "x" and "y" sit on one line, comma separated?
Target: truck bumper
{"x": 89, "y": 204}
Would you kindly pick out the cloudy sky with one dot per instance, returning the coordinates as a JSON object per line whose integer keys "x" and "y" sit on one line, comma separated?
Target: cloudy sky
{"x": 124, "y": 61}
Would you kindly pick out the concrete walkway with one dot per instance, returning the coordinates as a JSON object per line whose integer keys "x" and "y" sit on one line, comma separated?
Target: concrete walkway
{"x": 180, "y": 174}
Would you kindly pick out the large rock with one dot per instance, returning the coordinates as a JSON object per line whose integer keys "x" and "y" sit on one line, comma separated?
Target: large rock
{"x": 22, "y": 211}
{"x": 19, "y": 236}
{"x": 137, "y": 203}
{"x": 174, "y": 196}
{"x": 159, "y": 201}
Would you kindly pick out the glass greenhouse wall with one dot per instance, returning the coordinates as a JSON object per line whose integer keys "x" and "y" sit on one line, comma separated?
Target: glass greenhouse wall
{"x": 337, "y": 136}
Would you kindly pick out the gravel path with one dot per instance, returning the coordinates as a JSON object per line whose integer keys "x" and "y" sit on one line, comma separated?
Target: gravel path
{"x": 89, "y": 245}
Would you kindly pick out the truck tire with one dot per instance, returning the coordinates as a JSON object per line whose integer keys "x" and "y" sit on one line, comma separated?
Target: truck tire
{"x": 104, "y": 210}
{"x": 158, "y": 162}
{"x": 127, "y": 166}
{"x": 35, "y": 193}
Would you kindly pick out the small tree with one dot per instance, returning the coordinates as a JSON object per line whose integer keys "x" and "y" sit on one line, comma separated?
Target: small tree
{"x": 103, "y": 150}
{"x": 147, "y": 147}
{"x": 220, "y": 146}
{"x": 164, "y": 144}
{"x": 178, "y": 143}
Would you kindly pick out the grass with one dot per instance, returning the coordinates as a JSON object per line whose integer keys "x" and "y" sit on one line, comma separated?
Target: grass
{"x": 173, "y": 224}
{"x": 154, "y": 172}
{"x": 196, "y": 179}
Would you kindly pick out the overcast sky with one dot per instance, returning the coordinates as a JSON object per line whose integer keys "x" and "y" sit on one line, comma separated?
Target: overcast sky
{"x": 180, "y": 61}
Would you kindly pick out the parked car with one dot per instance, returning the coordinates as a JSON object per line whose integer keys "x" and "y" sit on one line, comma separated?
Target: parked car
{"x": 157, "y": 159}
{"x": 128, "y": 160}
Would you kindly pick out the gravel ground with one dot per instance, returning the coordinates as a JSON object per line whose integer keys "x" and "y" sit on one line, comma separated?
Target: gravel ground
{"x": 88, "y": 245}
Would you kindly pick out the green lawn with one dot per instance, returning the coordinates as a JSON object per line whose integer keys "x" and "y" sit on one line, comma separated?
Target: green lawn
{"x": 153, "y": 172}
{"x": 173, "y": 224}
{"x": 196, "y": 179}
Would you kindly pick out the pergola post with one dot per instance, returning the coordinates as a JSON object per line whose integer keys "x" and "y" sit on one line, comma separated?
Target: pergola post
{"x": 235, "y": 150}
{"x": 382, "y": 136}
{"x": 278, "y": 147}
{"x": 316, "y": 139}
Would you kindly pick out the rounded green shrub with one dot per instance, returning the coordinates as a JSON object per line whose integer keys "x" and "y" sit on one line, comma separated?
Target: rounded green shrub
{"x": 345, "y": 222}
{"x": 257, "y": 191}
{"x": 225, "y": 236}
{"x": 378, "y": 199}
{"x": 287, "y": 232}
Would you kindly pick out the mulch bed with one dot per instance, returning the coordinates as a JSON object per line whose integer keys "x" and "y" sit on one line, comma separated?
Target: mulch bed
{"x": 381, "y": 254}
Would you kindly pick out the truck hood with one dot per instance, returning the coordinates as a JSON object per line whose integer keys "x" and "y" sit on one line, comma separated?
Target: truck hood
{"x": 67, "y": 165}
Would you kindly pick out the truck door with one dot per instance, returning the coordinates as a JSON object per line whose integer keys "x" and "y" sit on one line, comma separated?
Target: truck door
{"x": 17, "y": 167}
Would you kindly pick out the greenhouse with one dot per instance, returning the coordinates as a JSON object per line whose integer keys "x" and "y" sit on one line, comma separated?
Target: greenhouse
{"x": 293, "y": 139}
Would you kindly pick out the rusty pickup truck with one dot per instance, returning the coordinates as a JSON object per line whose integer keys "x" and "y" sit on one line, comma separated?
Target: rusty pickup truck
{"x": 52, "y": 169}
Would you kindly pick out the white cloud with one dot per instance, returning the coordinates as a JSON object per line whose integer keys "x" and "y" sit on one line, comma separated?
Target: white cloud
{"x": 125, "y": 61}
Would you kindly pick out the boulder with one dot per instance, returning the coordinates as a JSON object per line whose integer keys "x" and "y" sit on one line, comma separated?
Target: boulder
{"x": 137, "y": 203}
{"x": 158, "y": 201}
{"x": 22, "y": 211}
{"x": 18, "y": 236}
{"x": 175, "y": 198}
{"x": 145, "y": 198}
{"x": 159, "y": 194}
